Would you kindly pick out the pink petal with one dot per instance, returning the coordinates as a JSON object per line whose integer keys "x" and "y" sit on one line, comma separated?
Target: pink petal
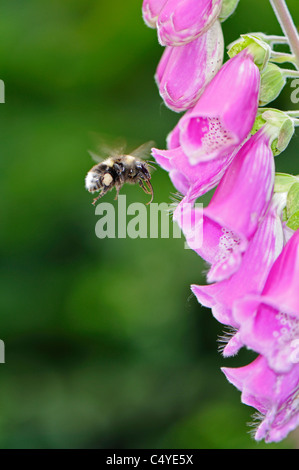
{"x": 269, "y": 322}
{"x": 233, "y": 346}
{"x": 281, "y": 289}
{"x": 251, "y": 276}
{"x": 267, "y": 331}
{"x": 188, "y": 179}
{"x": 151, "y": 10}
{"x": 173, "y": 138}
{"x": 276, "y": 396}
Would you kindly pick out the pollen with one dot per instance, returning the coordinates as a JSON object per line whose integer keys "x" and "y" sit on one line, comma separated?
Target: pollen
{"x": 107, "y": 180}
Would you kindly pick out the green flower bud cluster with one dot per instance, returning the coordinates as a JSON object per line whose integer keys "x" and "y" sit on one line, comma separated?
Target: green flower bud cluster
{"x": 279, "y": 126}
{"x": 273, "y": 77}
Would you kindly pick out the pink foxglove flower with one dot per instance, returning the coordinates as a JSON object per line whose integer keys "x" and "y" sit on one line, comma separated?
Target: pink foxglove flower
{"x": 189, "y": 180}
{"x": 225, "y": 112}
{"x": 183, "y": 72}
{"x": 269, "y": 322}
{"x": 251, "y": 276}
{"x": 275, "y": 396}
{"x": 180, "y": 22}
{"x": 236, "y": 208}
{"x": 151, "y": 10}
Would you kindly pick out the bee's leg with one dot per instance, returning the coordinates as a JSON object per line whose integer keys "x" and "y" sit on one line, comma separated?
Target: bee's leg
{"x": 147, "y": 190}
{"x": 119, "y": 170}
{"x": 102, "y": 193}
{"x": 142, "y": 185}
{"x": 151, "y": 191}
{"x": 118, "y": 188}
{"x": 97, "y": 198}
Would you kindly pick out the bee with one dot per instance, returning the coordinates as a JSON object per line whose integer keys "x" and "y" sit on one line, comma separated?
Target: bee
{"x": 118, "y": 169}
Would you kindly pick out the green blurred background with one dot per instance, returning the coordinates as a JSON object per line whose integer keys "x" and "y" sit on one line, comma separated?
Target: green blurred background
{"x": 105, "y": 347}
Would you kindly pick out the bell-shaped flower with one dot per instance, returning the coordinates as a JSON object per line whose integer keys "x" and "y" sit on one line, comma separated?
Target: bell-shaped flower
{"x": 192, "y": 181}
{"x": 251, "y": 276}
{"x": 183, "y": 72}
{"x": 225, "y": 113}
{"x": 275, "y": 396}
{"x": 236, "y": 208}
{"x": 180, "y": 22}
{"x": 269, "y": 322}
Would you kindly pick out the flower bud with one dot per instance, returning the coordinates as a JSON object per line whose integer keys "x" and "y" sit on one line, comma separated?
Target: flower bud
{"x": 272, "y": 82}
{"x": 280, "y": 128}
{"x": 180, "y": 22}
{"x": 184, "y": 71}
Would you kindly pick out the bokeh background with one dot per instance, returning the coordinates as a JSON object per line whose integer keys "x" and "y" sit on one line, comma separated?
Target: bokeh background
{"x": 105, "y": 347}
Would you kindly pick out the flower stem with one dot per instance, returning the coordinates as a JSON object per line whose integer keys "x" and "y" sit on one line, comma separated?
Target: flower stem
{"x": 287, "y": 25}
{"x": 290, "y": 73}
{"x": 280, "y": 57}
{"x": 277, "y": 39}
{"x": 294, "y": 114}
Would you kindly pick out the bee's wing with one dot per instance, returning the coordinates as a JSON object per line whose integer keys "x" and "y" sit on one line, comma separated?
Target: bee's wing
{"x": 144, "y": 151}
{"x": 96, "y": 158}
{"x": 106, "y": 147}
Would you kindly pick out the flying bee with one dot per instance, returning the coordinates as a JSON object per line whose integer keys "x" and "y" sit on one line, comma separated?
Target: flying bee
{"x": 118, "y": 169}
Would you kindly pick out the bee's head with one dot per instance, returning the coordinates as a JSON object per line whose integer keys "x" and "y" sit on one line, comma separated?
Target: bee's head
{"x": 142, "y": 168}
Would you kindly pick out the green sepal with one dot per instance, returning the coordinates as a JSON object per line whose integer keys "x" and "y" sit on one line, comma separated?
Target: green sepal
{"x": 272, "y": 82}
{"x": 293, "y": 200}
{"x": 293, "y": 221}
{"x": 280, "y": 127}
{"x": 259, "y": 49}
{"x": 284, "y": 215}
{"x": 286, "y": 133}
{"x": 258, "y": 123}
{"x": 228, "y": 8}
{"x": 284, "y": 182}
